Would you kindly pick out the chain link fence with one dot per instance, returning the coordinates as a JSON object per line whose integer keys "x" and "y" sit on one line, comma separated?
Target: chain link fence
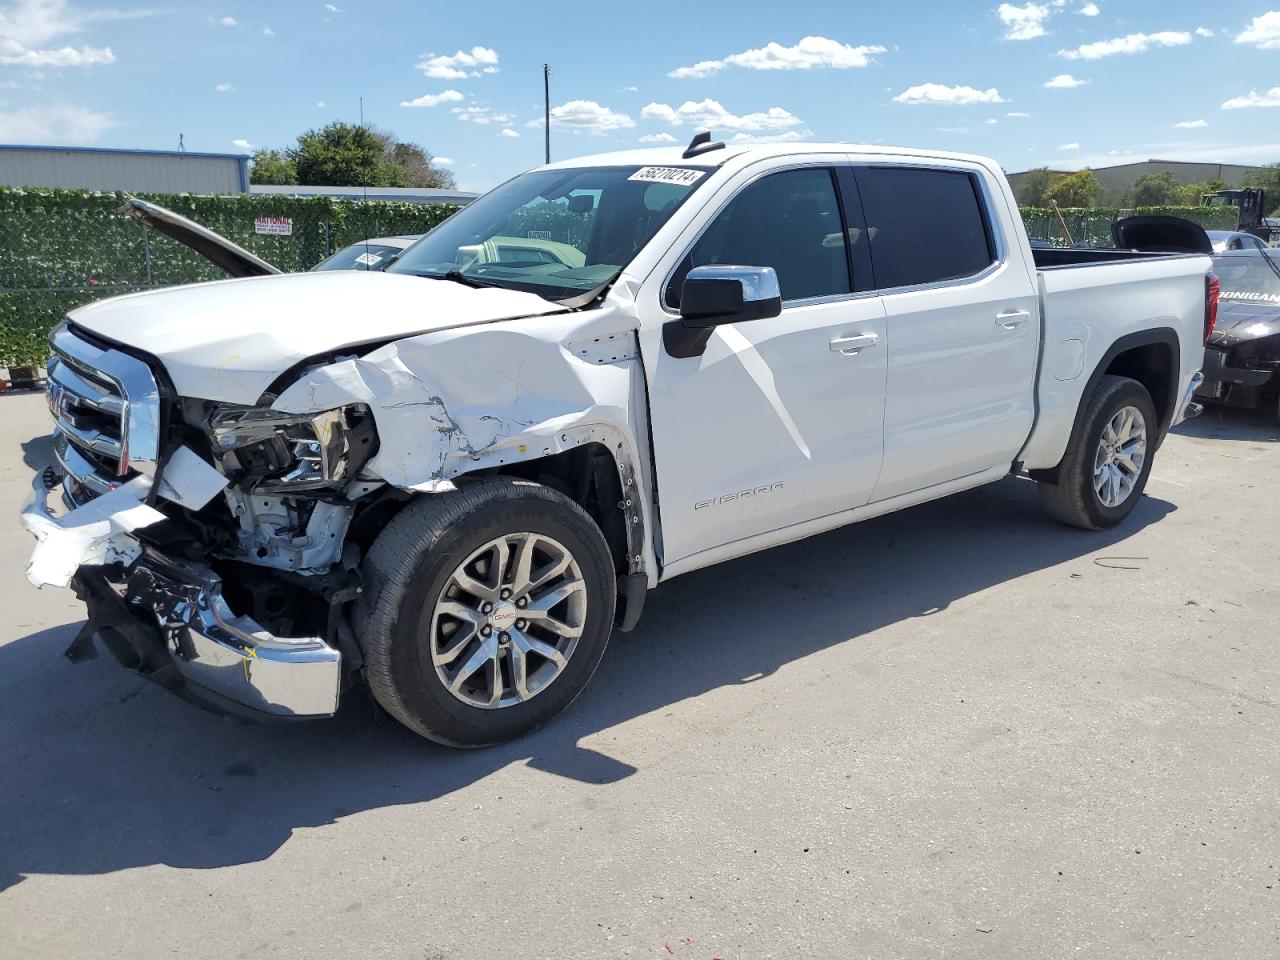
{"x": 63, "y": 248}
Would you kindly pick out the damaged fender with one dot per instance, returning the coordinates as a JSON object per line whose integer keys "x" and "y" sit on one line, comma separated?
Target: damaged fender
{"x": 451, "y": 402}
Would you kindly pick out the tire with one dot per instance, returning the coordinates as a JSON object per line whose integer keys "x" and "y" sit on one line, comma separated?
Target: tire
{"x": 414, "y": 574}
{"x": 1075, "y": 499}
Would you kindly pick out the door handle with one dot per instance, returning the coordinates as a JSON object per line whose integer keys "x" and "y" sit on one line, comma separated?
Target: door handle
{"x": 1012, "y": 319}
{"x": 851, "y": 345}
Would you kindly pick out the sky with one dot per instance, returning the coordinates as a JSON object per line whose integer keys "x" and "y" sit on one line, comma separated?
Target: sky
{"x": 1063, "y": 83}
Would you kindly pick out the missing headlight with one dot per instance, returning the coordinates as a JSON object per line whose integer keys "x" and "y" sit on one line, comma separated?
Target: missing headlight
{"x": 266, "y": 449}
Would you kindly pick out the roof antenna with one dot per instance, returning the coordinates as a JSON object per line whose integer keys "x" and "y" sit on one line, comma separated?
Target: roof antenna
{"x": 701, "y": 143}
{"x": 182, "y": 147}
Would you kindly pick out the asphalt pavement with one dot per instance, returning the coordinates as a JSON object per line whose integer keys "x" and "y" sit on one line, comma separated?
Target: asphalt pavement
{"x": 957, "y": 731}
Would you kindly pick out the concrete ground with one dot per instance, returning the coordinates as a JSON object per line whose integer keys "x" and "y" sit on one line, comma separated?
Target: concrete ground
{"x": 958, "y": 731}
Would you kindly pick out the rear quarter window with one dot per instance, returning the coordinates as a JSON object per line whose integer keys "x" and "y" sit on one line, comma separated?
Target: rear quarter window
{"x": 925, "y": 226}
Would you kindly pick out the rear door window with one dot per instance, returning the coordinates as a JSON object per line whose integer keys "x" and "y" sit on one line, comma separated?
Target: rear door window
{"x": 925, "y": 226}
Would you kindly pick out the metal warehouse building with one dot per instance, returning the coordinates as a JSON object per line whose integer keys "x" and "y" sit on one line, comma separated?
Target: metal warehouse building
{"x": 136, "y": 171}
{"x": 1123, "y": 176}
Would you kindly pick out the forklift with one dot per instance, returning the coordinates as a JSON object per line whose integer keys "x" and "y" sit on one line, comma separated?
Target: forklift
{"x": 1252, "y": 204}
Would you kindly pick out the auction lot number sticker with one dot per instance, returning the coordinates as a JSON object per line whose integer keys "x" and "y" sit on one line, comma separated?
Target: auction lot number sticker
{"x": 679, "y": 176}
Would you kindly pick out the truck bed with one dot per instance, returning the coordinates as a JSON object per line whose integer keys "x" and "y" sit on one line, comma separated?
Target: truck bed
{"x": 1124, "y": 294}
{"x": 1054, "y": 258}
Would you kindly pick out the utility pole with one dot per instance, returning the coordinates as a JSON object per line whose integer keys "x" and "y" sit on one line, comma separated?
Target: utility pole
{"x": 546, "y": 101}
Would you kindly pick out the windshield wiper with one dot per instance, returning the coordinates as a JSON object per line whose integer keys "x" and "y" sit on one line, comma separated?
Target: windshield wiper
{"x": 457, "y": 276}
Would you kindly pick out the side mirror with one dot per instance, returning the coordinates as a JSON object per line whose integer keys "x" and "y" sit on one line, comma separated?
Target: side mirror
{"x": 714, "y": 295}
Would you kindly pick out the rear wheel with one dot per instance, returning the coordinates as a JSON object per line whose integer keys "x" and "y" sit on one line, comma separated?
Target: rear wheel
{"x": 485, "y": 611}
{"x": 1108, "y": 461}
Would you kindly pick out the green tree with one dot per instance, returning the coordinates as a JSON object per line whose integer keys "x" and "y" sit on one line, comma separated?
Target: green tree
{"x": 272, "y": 166}
{"x": 414, "y": 162}
{"x": 1189, "y": 194}
{"x": 1080, "y": 189}
{"x": 344, "y": 155}
{"x": 1154, "y": 190}
{"x": 1033, "y": 185}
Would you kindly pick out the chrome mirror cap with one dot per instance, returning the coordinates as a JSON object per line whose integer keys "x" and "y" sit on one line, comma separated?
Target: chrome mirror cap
{"x": 758, "y": 283}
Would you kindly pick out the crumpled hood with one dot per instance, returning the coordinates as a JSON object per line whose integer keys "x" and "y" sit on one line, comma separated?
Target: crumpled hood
{"x": 230, "y": 339}
{"x": 1240, "y": 321}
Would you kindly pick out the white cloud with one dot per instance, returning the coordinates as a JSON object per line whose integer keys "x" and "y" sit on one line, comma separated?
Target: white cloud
{"x": 1263, "y": 30}
{"x": 586, "y": 116}
{"x": 1089, "y": 10}
{"x": 1191, "y": 124}
{"x": 14, "y": 54}
{"x": 474, "y": 113}
{"x": 509, "y": 133}
{"x": 443, "y": 161}
{"x": 1017, "y": 113}
{"x": 788, "y": 136}
{"x": 810, "y": 52}
{"x": 268, "y": 32}
{"x": 940, "y": 93}
{"x": 631, "y": 88}
{"x": 460, "y": 65}
{"x": 229, "y": 22}
{"x": 1203, "y": 32}
{"x": 433, "y": 99}
{"x": 31, "y": 23}
{"x": 56, "y": 124}
{"x": 658, "y": 138}
{"x": 710, "y": 114}
{"x": 224, "y": 88}
{"x": 1064, "y": 81}
{"x": 1068, "y": 146}
{"x": 1133, "y": 43}
{"x": 331, "y": 8}
{"x": 1023, "y": 23}
{"x": 952, "y": 129}
{"x": 243, "y": 145}
{"x": 1270, "y": 98}
{"x": 321, "y": 104}
{"x": 991, "y": 121}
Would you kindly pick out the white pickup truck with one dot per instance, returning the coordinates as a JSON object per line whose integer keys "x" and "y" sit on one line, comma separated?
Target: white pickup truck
{"x": 452, "y": 480}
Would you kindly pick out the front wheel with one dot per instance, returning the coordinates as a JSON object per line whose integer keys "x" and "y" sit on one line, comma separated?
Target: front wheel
{"x": 485, "y": 611}
{"x": 1108, "y": 460}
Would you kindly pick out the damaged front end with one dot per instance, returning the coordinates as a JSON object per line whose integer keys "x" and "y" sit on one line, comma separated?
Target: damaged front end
{"x": 215, "y": 567}
{"x": 219, "y": 545}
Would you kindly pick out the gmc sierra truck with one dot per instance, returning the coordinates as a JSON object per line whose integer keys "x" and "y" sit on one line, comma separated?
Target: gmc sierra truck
{"x": 452, "y": 480}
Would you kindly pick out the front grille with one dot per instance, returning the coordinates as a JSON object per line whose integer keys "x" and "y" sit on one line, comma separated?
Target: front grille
{"x": 106, "y": 408}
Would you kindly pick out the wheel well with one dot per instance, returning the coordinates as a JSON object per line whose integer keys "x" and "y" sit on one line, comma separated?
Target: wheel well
{"x": 1152, "y": 365}
{"x": 589, "y": 476}
{"x": 1152, "y": 359}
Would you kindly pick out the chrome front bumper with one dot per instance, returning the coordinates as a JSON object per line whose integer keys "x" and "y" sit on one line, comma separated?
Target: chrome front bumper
{"x": 174, "y": 612}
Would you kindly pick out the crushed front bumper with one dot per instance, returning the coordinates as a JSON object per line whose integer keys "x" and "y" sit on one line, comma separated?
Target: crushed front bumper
{"x": 169, "y": 620}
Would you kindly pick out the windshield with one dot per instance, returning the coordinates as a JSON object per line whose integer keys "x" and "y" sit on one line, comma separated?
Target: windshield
{"x": 1249, "y": 278}
{"x": 556, "y": 233}
{"x": 359, "y": 256}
